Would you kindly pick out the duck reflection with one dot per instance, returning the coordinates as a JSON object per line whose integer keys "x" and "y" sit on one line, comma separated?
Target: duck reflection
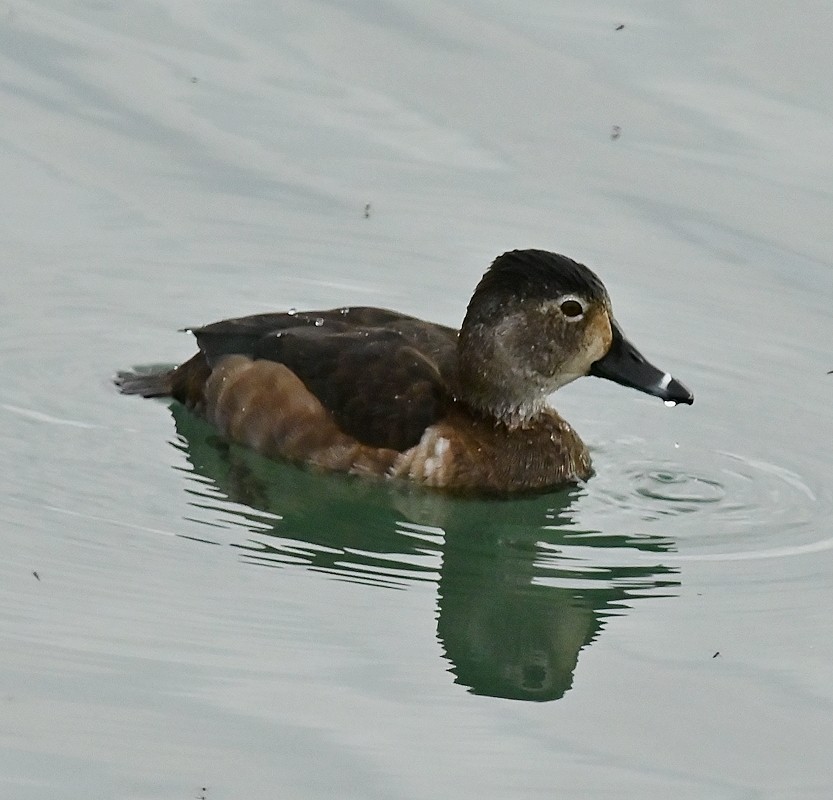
{"x": 521, "y": 590}
{"x": 517, "y": 609}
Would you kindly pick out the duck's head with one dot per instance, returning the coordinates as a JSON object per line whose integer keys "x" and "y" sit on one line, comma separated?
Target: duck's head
{"x": 537, "y": 321}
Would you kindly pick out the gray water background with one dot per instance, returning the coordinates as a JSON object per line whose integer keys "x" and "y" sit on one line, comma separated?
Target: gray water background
{"x": 176, "y": 616}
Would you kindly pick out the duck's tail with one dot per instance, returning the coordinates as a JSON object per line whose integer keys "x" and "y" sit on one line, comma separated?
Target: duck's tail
{"x": 153, "y": 382}
{"x": 184, "y": 383}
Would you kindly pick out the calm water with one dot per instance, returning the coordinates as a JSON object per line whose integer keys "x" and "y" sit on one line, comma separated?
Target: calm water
{"x": 179, "y": 614}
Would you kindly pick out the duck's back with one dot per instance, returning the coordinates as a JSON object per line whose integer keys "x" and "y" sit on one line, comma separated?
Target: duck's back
{"x": 383, "y": 377}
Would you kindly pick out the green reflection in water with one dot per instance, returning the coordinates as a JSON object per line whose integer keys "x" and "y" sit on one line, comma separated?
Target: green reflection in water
{"x": 521, "y": 589}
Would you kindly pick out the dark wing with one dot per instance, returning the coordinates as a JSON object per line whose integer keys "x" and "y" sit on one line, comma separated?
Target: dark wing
{"x": 384, "y": 377}
{"x": 241, "y": 335}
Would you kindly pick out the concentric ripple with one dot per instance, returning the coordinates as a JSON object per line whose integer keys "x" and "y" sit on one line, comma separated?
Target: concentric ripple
{"x": 740, "y": 506}
{"x": 687, "y": 492}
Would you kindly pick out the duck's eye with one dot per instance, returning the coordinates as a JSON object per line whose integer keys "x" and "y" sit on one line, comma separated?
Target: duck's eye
{"x": 572, "y": 309}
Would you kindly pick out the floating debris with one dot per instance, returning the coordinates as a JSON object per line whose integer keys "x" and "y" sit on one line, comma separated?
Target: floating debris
{"x": 620, "y": 26}
{"x": 367, "y": 210}
{"x": 34, "y": 572}
{"x": 615, "y": 132}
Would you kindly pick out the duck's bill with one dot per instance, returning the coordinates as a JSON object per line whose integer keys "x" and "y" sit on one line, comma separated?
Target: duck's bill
{"x": 626, "y": 365}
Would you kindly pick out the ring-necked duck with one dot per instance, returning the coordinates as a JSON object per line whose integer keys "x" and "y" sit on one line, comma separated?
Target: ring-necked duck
{"x": 365, "y": 390}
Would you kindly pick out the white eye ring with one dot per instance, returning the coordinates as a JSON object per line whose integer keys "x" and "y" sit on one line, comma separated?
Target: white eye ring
{"x": 571, "y": 307}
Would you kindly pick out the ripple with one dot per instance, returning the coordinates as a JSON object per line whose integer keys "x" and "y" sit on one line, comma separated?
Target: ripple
{"x": 676, "y": 487}
{"x": 741, "y": 507}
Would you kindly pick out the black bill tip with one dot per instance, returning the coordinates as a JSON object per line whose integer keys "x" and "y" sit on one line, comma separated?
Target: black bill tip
{"x": 671, "y": 391}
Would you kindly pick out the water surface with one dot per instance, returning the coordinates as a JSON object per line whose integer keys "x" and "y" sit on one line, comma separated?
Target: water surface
{"x": 179, "y": 614}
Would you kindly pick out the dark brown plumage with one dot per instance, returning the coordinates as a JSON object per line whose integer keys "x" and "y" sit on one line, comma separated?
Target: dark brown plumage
{"x": 370, "y": 390}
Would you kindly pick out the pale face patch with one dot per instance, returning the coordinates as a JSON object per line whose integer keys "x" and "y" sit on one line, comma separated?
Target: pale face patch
{"x": 594, "y": 343}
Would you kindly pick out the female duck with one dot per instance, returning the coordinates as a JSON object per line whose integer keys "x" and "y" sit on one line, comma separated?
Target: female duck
{"x": 366, "y": 390}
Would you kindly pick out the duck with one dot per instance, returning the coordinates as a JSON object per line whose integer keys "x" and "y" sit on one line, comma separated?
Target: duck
{"x": 375, "y": 392}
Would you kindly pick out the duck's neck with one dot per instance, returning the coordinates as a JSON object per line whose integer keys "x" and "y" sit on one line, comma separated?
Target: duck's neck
{"x": 507, "y": 412}
{"x": 493, "y": 384}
